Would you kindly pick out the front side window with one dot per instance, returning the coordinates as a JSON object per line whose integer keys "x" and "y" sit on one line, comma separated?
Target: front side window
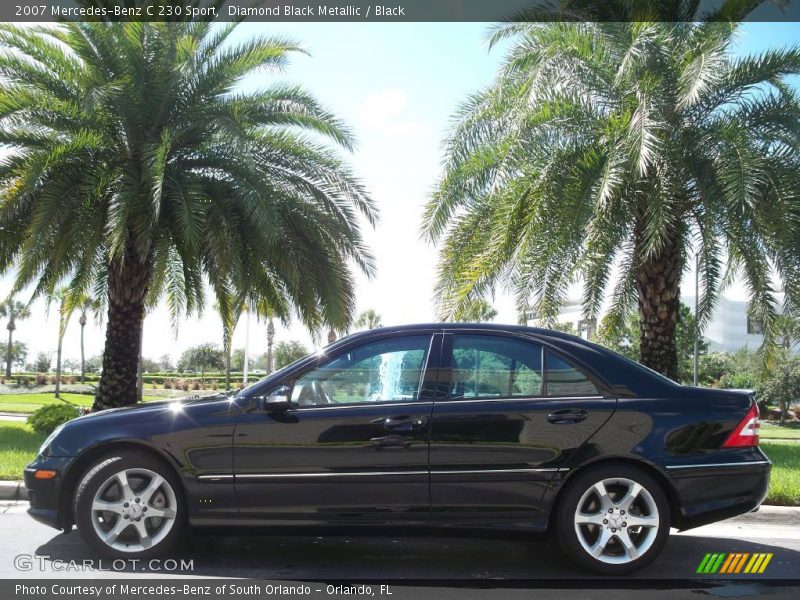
{"x": 495, "y": 367}
{"x": 563, "y": 379}
{"x": 383, "y": 371}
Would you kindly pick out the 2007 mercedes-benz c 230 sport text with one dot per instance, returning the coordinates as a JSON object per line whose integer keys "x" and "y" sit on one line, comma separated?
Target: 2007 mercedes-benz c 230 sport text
{"x": 437, "y": 425}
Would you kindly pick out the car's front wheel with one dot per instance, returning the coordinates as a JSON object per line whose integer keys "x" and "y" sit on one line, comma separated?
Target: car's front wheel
{"x": 613, "y": 519}
{"x": 130, "y": 505}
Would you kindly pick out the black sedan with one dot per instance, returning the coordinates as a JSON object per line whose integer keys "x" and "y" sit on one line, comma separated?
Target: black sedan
{"x": 435, "y": 425}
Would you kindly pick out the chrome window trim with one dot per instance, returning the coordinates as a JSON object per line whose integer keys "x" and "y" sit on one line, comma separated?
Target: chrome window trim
{"x": 728, "y": 464}
{"x": 363, "y": 405}
{"x": 429, "y": 403}
{"x": 525, "y": 399}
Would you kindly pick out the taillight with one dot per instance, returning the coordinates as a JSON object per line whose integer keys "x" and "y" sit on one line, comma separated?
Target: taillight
{"x": 746, "y": 432}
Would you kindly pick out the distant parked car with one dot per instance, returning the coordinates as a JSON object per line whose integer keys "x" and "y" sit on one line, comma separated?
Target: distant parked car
{"x": 435, "y": 425}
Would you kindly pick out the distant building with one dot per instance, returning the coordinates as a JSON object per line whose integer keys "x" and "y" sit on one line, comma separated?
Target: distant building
{"x": 728, "y": 330}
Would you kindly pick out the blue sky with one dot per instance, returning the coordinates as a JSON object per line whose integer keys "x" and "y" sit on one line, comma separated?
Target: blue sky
{"x": 397, "y": 85}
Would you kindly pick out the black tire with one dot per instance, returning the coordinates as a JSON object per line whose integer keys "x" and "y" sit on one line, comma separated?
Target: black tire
{"x": 98, "y": 475}
{"x": 566, "y": 527}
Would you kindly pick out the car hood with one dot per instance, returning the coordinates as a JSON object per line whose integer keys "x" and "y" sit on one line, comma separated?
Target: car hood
{"x": 138, "y": 422}
{"x": 156, "y": 405}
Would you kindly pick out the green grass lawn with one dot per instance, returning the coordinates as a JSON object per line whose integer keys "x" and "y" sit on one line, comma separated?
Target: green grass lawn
{"x": 784, "y": 483}
{"x": 18, "y": 447}
{"x": 789, "y": 431}
{"x": 27, "y": 403}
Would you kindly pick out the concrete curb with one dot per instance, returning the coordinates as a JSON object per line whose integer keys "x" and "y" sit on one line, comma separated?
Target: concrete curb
{"x": 13, "y": 490}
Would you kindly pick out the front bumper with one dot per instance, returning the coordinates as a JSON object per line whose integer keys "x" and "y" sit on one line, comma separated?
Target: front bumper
{"x": 716, "y": 492}
{"x": 44, "y": 495}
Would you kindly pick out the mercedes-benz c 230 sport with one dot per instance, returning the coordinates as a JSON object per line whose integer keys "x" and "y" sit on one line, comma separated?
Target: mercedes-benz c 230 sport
{"x": 463, "y": 425}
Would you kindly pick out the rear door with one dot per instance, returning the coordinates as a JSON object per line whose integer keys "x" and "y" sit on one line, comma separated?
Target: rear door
{"x": 513, "y": 413}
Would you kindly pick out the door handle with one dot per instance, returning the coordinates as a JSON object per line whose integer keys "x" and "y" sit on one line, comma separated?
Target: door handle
{"x": 404, "y": 424}
{"x": 567, "y": 416}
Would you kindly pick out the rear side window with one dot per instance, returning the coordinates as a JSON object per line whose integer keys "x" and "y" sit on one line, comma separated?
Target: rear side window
{"x": 563, "y": 379}
{"x": 485, "y": 366}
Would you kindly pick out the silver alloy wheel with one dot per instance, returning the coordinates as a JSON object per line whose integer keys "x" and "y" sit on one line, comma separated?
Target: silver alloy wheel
{"x": 616, "y": 520}
{"x": 133, "y": 510}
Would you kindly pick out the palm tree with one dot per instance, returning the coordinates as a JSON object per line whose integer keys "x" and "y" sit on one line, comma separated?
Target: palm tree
{"x": 624, "y": 144}
{"x": 479, "y": 310}
{"x": 85, "y": 305}
{"x": 61, "y": 296}
{"x": 270, "y": 344}
{"x": 369, "y": 319}
{"x": 787, "y": 330}
{"x": 14, "y": 311}
{"x": 230, "y": 318}
{"x": 138, "y": 169}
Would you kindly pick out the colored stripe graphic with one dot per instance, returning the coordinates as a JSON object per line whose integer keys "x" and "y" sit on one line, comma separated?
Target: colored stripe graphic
{"x": 738, "y": 567}
{"x": 722, "y": 562}
{"x": 704, "y": 564}
{"x": 732, "y": 559}
{"x": 711, "y": 563}
{"x": 768, "y": 557}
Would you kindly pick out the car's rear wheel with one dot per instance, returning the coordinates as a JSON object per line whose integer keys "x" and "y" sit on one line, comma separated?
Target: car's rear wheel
{"x": 130, "y": 505}
{"x": 613, "y": 519}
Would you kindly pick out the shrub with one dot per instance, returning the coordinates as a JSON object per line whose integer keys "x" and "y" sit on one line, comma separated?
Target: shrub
{"x": 47, "y": 418}
{"x": 41, "y": 379}
{"x": 196, "y": 385}
{"x": 185, "y": 385}
{"x": 167, "y": 384}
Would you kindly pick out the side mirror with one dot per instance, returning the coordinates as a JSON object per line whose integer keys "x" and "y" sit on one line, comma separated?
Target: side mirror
{"x": 278, "y": 399}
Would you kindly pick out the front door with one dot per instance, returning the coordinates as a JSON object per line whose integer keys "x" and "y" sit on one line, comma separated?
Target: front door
{"x": 514, "y": 413}
{"x": 353, "y": 445}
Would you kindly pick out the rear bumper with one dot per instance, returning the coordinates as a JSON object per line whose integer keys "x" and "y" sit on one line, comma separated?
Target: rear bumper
{"x": 715, "y": 491}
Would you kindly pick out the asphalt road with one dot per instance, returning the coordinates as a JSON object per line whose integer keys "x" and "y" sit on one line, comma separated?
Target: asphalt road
{"x": 392, "y": 558}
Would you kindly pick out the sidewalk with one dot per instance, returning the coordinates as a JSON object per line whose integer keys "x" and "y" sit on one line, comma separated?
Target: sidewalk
{"x": 16, "y": 417}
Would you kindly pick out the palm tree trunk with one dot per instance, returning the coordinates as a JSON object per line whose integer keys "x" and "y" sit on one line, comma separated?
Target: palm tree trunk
{"x": 658, "y": 287}
{"x": 270, "y": 343}
{"x": 127, "y": 288}
{"x": 83, "y": 358}
{"x": 140, "y": 373}
{"x": 227, "y": 348}
{"x": 9, "y": 350}
{"x": 228, "y": 368}
{"x": 58, "y": 364}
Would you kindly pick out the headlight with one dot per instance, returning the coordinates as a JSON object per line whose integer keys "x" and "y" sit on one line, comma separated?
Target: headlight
{"x": 46, "y": 444}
